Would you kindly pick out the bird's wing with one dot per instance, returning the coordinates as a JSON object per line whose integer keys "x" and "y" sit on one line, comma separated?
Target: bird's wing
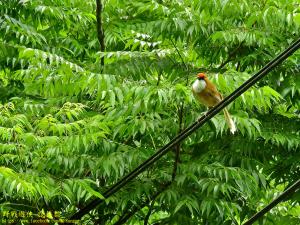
{"x": 212, "y": 91}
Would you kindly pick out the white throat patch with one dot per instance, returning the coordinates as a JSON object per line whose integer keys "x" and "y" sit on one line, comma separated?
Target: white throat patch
{"x": 199, "y": 85}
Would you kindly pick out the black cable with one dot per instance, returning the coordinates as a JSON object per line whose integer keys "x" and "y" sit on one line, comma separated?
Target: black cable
{"x": 189, "y": 130}
{"x": 292, "y": 189}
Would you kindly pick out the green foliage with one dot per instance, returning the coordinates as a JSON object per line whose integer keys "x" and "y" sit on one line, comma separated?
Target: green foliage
{"x": 70, "y": 128}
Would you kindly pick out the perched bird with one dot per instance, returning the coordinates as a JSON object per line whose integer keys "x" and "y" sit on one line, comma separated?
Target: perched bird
{"x": 207, "y": 94}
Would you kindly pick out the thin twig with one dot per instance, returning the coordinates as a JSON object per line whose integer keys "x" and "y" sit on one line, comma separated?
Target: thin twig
{"x": 178, "y": 52}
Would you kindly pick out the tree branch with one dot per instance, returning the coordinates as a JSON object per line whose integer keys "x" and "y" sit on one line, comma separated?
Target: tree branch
{"x": 230, "y": 56}
{"x": 129, "y": 213}
{"x": 146, "y": 219}
{"x": 177, "y": 148}
{"x": 229, "y": 59}
{"x": 180, "y": 116}
{"x": 100, "y": 32}
{"x": 238, "y": 65}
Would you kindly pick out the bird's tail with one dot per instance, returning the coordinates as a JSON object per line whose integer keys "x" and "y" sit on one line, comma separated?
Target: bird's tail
{"x": 229, "y": 121}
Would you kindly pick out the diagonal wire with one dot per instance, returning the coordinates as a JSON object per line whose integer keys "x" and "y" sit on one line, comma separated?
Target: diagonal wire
{"x": 189, "y": 130}
{"x": 292, "y": 189}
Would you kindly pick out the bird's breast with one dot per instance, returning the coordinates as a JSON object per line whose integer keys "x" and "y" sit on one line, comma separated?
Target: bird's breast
{"x": 198, "y": 86}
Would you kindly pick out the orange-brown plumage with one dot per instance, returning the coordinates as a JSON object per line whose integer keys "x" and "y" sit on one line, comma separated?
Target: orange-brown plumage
{"x": 207, "y": 94}
{"x": 210, "y": 95}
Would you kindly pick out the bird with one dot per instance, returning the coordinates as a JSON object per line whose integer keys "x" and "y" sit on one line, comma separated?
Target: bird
{"x": 207, "y": 94}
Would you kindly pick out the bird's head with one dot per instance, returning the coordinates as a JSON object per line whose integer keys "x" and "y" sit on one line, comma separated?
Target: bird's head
{"x": 199, "y": 84}
{"x": 201, "y": 76}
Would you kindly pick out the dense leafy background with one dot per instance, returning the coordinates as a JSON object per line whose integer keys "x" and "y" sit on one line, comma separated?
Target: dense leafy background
{"x": 69, "y": 128}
